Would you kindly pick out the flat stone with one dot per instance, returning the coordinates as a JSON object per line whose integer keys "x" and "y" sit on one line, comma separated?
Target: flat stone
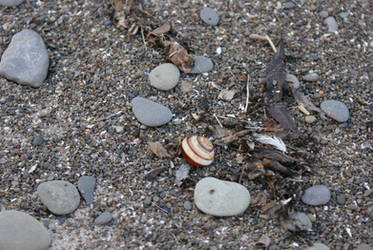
{"x": 25, "y": 61}
{"x": 86, "y": 186}
{"x": 300, "y": 222}
{"x": 209, "y": 16}
{"x": 293, "y": 79}
{"x": 60, "y": 197}
{"x": 318, "y": 246}
{"x": 202, "y": 64}
{"x": 336, "y": 110}
{"x": 316, "y": 195}
{"x": 311, "y": 77}
{"x": 310, "y": 119}
{"x": 332, "y": 24}
{"x": 150, "y": 113}
{"x": 341, "y": 199}
{"x": 164, "y": 76}
{"x": 11, "y": 3}
{"x": 221, "y": 198}
{"x": 20, "y": 231}
{"x": 104, "y": 218}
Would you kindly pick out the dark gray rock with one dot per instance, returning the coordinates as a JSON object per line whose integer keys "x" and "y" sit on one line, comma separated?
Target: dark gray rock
{"x": 150, "y": 113}
{"x": 316, "y": 195}
{"x": 341, "y": 199}
{"x": 60, "y": 197}
{"x": 209, "y": 16}
{"x": 38, "y": 140}
{"x": 20, "y": 231}
{"x": 25, "y": 61}
{"x": 86, "y": 186}
{"x": 11, "y": 3}
{"x": 103, "y": 218}
{"x": 336, "y": 110}
{"x": 202, "y": 64}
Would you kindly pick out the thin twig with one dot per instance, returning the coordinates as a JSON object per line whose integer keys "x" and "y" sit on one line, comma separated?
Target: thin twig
{"x": 266, "y": 37}
{"x": 271, "y": 43}
{"x": 217, "y": 119}
{"x": 143, "y": 37}
{"x": 162, "y": 209}
{"x": 247, "y": 92}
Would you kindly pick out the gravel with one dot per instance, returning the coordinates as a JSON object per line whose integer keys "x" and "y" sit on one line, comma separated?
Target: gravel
{"x": 96, "y": 69}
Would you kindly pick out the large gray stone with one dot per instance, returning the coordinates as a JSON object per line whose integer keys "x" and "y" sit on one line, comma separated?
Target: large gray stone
{"x": 25, "y": 61}
{"x": 164, "y": 76}
{"x": 10, "y": 3}
{"x": 221, "y": 198}
{"x": 316, "y": 195}
{"x": 60, "y": 197}
{"x": 318, "y": 246}
{"x": 336, "y": 110}
{"x": 150, "y": 113}
{"x": 20, "y": 231}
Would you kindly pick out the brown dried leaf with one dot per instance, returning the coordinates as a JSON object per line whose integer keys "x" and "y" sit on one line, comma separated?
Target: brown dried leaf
{"x": 276, "y": 166}
{"x": 280, "y": 113}
{"x": 157, "y": 149}
{"x": 164, "y": 28}
{"x": 180, "y": 57}
{"x": 275, "y": 155}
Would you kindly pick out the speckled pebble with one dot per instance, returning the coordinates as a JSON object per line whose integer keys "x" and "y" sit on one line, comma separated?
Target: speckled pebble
{"x": 86, "y": 186}
{"x": 164, "y": 77}
{"x": 221, "y": 198}
{"x": 202, "y": 64}
{"x": 150, "y": 113}
{"x": 310, "y": 119}
{"x": 20, "y": 231}
{"x": 332, "y": 24}
{"x": 25, "y": 61}
{"x": 210, "y": 16}
{"x": 311, "y": 77}
{"x": 60, "y": 197}
{"x": 336, "y": 110}
{"x": 104, "y": 218}
{"x": 318, "y": 246}
{"x": 316, "y": 195}
{"x": 11, "y": 3}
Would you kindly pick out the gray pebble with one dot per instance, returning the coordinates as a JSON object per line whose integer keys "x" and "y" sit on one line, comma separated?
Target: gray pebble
{"x": 186, "y": 86}
{"x": 316, "y": 195}
{"x": 300, "y": 222}
{"x": 164, "y": 76}
{"x": 103, "y": 218}
{"x": 324, "y": 14}
{"x": 318, "y": 246}
{"x": 60, "y": 197}
{"x": 150, "y": 113}
{"x": 221, "y": 198}
{"x": 209, "y": 16}
{"x": 188, "y": 205}
{"x": 25, "y": 61}
{"x": 148, "y": 201}
{"x": 38, "y": 140}
{"x": 310, "y": 119}
{"x": 332, "y": 24}
{"x": 119, "y": 129}
{"x": 86, "y": 186}
{"x": 336, "y": 110}
{"x": 364, "y": 247}
{"x": 289, "y": 5}
{"x": 20, "y": 231}
{"x": 202, "y": 64}
{"x": 341, "y": 199}
{"x": 293, "y": 79}
{"x": 311, "y": 77}
{"x": 10, "y": 3}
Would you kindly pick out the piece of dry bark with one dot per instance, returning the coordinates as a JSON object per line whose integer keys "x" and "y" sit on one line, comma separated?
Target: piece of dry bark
{"x": 276, "y": 166}
{"x": 280, "y": 113}
{"x": 275, "y": 155}
{"x": 158, "y": 149}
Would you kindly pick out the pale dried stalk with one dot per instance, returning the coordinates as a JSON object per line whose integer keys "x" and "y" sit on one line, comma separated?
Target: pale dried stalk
{"x": 266, "y": 37}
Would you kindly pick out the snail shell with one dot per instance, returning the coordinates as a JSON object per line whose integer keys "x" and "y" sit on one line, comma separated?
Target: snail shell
{"x": 198, "y": 150}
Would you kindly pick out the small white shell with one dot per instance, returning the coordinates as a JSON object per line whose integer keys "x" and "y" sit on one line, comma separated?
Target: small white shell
{"x": 198, "y": 150}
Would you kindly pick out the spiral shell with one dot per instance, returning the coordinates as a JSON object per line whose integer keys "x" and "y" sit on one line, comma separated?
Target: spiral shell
{"x": 198, "y": 150}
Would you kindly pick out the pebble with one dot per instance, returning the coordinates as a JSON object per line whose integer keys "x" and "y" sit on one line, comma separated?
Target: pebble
{"x": 364, "y": 247}
{"x": 293, "y": 79}
{"x": 104, "y": 218}
{"x": 86, "y": 186}
{"x": 38, "y": 140}
{"x": 188, "y": 205}
{"x": 202, "y": 64}
{"x": 316, "y": 195}
{"x": 19, "y": 231}
{"x": 341, "y": 199}
{"x": 221, "y": 198}
{"x": 324, "y": 14}
{"x": 310, "y": 119}
{"x": 336, "y": 110}
{"x": 318, "y": 246}
{"x": 209, "y": 16}
{"x": 164, "y": 77}
{"x": 119, "y": 129}
{"x": 25, "y": 61}
{"x": 60, "y": 197}
{"x": 311, "y": 77}
{"x": 300, "y": 222}
{"x": 332, "y": 24}
{"x": 11, "y": 3}
{"x": 289, "y": 5}
{"x": 186, "y": 86}
{"x": 150, "y": 113}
